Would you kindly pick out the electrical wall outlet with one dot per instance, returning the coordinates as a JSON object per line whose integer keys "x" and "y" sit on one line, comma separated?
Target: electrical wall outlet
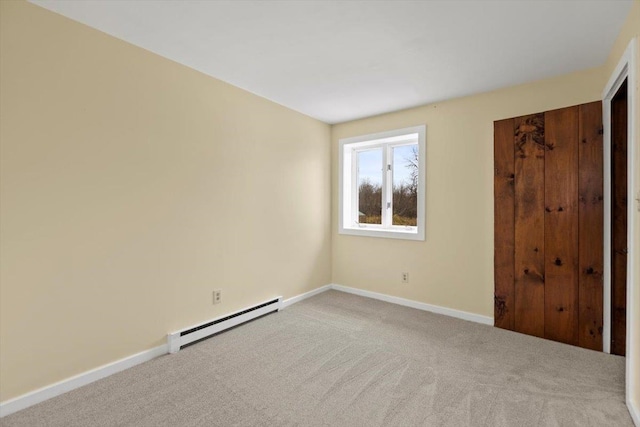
{"x": 217, "y": 296}
{"x": 405, "y": 277}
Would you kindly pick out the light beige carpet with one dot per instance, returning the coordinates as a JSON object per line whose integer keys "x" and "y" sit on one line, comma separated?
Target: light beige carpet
{"x": 342, "y": 360}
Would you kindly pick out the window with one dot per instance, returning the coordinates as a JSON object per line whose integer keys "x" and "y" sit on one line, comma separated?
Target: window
{"x": 381, "y": 184}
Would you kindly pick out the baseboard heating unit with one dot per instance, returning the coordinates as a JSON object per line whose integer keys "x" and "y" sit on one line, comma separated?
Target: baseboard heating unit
{"x": 179, "y": 339}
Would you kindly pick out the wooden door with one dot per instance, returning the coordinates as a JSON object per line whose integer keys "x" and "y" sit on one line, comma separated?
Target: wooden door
{"x": 561, "y": 225}
{"x": 590, "y": 227}
{"x": 529, "y": 224}
{"x": 548, "y": 224}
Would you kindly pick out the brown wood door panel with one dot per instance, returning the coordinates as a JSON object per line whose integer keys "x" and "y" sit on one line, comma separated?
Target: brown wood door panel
{"x": 504, "y": 224}
{"x": 561, "y": 225}
{"x": 529, "y": 225}
{"x": 548, "y": 204}
{"x": 619, "y": 221}
{"x": 591, "y": 212}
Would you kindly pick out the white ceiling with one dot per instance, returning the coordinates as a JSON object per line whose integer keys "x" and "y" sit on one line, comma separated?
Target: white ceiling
{"x": 342, "y": 60}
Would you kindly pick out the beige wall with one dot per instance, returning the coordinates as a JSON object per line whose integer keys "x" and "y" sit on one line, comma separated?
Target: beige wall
{"x": 454, "y": 266}
{"x": 131, "y": 187}
{"x": 631, "y": 30}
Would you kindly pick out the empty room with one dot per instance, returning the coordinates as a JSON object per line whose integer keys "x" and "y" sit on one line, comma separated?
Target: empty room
{"x": 319, "y": 213}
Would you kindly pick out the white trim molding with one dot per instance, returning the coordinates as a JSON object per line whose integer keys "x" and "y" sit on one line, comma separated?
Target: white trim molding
{"x": 348, "y": 213}
{"x": 451, "y": 312}
{"x": 286, "y": 303}
{"x": 37, "y": 396}
{"x": 26, "y": 400}
{"x": 45, "y": 393}
{"x": 635, "y": 413}
{"x": 464, "y": 315}
{"x": 621, "y": 72}
{"x": 626, "y": 69}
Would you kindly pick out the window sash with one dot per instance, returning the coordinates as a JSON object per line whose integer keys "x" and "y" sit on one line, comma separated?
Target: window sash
{"x": 388, "y": 169}
{"x": 347, "y": 188}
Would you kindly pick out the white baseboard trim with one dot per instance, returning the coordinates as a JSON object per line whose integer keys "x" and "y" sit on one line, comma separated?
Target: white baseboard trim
{"x": 29, "y": 399}
{"x": 32, "y": 398}
{"x": 40, "y": 395}
{"x": 298, "y": 298}
{"x": 634, "y": 411}
{"x": 472, "y": 317}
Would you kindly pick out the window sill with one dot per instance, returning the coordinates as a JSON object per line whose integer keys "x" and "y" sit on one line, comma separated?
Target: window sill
{"x": 404, "y": 234}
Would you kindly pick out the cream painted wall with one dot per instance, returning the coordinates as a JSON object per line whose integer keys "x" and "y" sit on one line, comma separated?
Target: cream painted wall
{"x": 631, "y": 30}
{"x": 131, "y": 187}
{"x": 454, "y": 266}
{"x": 125, "y": 198}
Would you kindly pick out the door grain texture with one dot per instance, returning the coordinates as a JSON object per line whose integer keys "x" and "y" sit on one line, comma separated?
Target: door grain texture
{"x": 504, "y": 224}
{"x": 561, "y": 225}
{"x": 529, "y": 224}
{"x": 590, "y": 223}
{"x": 548, "y": 225}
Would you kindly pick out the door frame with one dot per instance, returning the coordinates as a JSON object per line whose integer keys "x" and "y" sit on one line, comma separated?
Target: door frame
{"x": 626, "y": 68}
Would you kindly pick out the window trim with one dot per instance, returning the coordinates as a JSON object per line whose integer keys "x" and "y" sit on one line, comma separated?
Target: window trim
{"x": 347, "y": 171}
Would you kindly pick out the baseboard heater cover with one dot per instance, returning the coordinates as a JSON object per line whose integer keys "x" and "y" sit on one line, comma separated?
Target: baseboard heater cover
{"x": 179, "y": 339}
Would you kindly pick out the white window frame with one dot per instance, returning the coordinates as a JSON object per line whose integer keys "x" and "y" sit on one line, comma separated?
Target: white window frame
{"x": 348, "y": 191}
